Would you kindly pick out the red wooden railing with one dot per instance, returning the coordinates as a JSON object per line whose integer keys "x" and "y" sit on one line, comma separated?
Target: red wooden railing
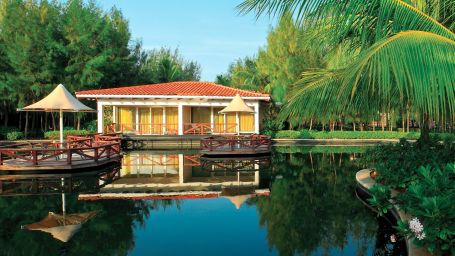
{"x": 236, "y": 143}
{"x": 90, "y": 147}
{"x": 208, "y": 128}
{"x": 160, "y": 129}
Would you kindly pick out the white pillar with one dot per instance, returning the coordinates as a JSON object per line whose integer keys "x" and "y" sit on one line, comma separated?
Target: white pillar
{"x": 61, "y": 127}
{"x": 256, "y": 118}
{"x": 237, "y": 122}
{"x": 180, "y": 119}
{"x": 164, "y": 121}
{"x": 114, "y": 114}
{"x": 100, "y": 116}
{"x": 137, "y": 119}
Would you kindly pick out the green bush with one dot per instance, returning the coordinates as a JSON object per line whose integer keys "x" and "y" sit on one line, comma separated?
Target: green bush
{"x": 288, "y": 134}
{"x": 305, "y": 134}
{"x": 397, "y": 163}
{"x": 429, "y": 200}
{"x": 14, "y": 135}
{"x": 5, "y": 130}
{"x": 55, "y": 135}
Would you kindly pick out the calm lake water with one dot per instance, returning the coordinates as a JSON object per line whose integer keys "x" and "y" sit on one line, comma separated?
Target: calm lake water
{"x": 298, "y": 201}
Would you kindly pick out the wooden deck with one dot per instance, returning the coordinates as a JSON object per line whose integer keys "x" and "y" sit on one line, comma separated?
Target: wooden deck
{"x": 236, "y": 145}
{"x": 75, "y": 154}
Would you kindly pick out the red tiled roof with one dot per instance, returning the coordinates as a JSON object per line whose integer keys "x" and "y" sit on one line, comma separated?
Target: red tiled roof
{"x": 175, "y": 89}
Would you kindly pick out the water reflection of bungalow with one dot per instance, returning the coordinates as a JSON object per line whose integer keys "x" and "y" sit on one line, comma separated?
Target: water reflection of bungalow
{"x": 178, "y": 175}
{"x": 175, "y": 108}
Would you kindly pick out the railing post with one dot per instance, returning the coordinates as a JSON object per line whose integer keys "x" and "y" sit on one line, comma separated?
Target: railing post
{"x": 69, "y": 156}
{"x": 96, "y": 154}
{"x": 34, "y": 157}
{"x": 1, "y": 158}
{"x": 108, "y": 152}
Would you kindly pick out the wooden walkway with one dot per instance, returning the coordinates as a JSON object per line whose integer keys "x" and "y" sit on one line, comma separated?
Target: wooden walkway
{"x": 75, "y": 154}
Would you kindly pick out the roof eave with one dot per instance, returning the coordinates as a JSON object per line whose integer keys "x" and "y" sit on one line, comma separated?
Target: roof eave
{"x": 115, "y": 96}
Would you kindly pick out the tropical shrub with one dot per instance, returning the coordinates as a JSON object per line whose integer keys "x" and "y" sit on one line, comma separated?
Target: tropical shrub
{"x": 305, "y": 134}
{"x": 15, "y": 135}
{"x": 55, "y": 135}
{"x": 429, "y": 200}
{"x": 5, "y": 130}
{"x": 397, "y": 164}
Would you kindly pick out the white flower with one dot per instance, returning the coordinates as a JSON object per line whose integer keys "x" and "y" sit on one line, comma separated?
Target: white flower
{"x": 421, "y": 236}
{"x": 416, "y": 226}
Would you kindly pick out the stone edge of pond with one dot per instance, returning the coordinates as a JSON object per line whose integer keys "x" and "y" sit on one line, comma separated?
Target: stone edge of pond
{"x": 341, "y": 142}
{"x": 365, "y": 181}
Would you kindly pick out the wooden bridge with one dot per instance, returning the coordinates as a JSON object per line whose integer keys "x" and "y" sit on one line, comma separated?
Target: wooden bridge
{"x": 236, "y": 145}
{"x": 77, "y": 152}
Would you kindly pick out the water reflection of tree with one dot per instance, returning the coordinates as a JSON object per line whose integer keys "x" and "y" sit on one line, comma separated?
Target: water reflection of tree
{"x": 109, "y": 233}
{"x": 312, "y": 205}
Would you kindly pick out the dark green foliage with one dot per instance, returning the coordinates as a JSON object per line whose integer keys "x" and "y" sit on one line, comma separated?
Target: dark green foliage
{"x": 381, "y": 199}
{"x": 397, "y": 164}
{"x": 164, "y": 65}
{"x": 14, "y": 135}
{"x": 55, "y": 135}
{"x": 429, "y": 197}
{"x": 305, "y": 134}
{"x": 271, "y": 125}
{"x": 44, "y": 43}
{"x": 6, "y": 130}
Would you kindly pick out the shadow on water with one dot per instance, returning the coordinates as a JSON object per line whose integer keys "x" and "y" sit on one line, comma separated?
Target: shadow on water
{"x": 303, "y": 198}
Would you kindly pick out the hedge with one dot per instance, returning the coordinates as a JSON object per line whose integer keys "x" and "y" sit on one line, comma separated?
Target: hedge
{"x": 55, "y": 135}
{"x": 305, "y": 134}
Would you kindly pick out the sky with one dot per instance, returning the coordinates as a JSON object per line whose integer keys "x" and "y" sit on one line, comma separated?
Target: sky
{"x": 210, "y": 32}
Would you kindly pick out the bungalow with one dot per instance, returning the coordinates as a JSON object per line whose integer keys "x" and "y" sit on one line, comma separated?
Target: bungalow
{"x": 175, "y": 108}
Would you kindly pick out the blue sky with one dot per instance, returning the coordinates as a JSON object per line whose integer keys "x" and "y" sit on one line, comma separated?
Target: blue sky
{"x": 207, "y": 31}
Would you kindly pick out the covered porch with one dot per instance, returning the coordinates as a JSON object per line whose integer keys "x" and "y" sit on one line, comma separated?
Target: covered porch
{"x": 176, "y": 120}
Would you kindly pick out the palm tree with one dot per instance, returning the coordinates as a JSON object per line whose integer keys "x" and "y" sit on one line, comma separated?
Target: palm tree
{"x": 403, "y": 57}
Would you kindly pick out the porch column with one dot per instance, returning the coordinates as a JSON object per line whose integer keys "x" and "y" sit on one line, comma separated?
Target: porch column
{"x": 100, "y": 116}
{"x": 180, "y": 119}
{"x": 256, "y": 118}
{"x": 137, "y": 120}
{"x": 164, "y": 130}
{"x": 212, "y": 125}
{"x": 114, "y": 114}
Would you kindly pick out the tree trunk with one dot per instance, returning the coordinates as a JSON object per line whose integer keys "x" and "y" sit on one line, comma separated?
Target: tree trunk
{"x": 353, "y": 126}
{"x": 78, "y": 122}
{"x": 53, "y": 121}
{"x": 382, "y": 122}
{"x": 26, "y": 124}
{"x": 45, "y": 122}
{"x": 408, "y": 121}
{"x": 425, "y": 129}
{"x": 374, "y": 125}
{"x": 402, "y": 121}
{"x": 311, "y": 124}
{"x": 6, "y": 119}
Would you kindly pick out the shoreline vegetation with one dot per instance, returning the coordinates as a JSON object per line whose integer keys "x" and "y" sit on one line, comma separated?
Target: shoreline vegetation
{"x": 306, "y": 134}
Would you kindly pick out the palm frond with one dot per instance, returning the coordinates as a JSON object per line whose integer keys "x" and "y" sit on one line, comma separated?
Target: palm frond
{"x": 413, "y": 67}
{"x": 371, "y": 20}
